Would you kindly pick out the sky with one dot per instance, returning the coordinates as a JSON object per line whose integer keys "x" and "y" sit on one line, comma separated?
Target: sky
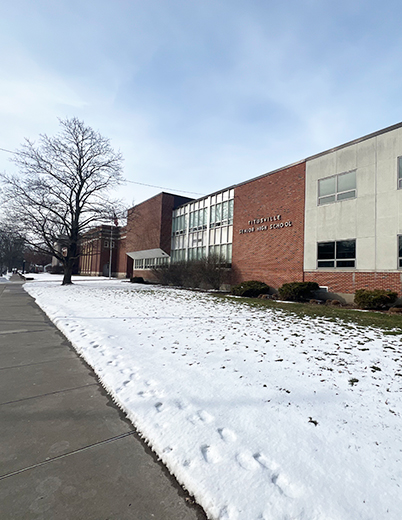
{"x": 200, "y": 95}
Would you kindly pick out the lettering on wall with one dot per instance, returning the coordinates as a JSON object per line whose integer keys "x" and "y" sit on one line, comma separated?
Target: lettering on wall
{"x": 255, "y": 224}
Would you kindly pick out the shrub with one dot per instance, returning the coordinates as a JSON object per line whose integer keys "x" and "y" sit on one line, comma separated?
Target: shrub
{"x": 375, "y": 298}
{"x": 206, "y": 273}
{"x": 251, "y": 289}
{"x": 297, "y": 291}
{"x": 137, "y": 279}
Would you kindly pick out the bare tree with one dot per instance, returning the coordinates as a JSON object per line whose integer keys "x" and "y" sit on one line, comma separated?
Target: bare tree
{"x": 62, "y": 189}
{"x": 12, "y": 248}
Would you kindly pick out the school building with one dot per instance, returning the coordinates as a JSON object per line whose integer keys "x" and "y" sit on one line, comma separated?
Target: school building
{"x": 334, "y": 218}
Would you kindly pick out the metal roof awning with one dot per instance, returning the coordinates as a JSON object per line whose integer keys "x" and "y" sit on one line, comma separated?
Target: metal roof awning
{"x": 148, "y": 253}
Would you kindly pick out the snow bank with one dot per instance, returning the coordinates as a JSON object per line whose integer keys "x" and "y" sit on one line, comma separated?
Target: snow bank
{"x": 258, "y": 413}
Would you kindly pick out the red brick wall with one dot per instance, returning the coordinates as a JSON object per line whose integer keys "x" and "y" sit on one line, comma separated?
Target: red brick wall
{"x": 149, "y": 224}
{"x": 147, "y": 274}
{"x": 349, "y": 282}
{"x": 272, "y": 255}
{"x": 94, "y": 254}
{"x": 144, "y": 225}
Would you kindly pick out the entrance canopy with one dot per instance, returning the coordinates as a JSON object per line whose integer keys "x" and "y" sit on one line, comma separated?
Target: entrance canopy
{"x": 148, "y": 253}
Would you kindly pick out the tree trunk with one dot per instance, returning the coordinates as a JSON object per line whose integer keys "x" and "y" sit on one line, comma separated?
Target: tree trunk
{"x": 68, "y": 271}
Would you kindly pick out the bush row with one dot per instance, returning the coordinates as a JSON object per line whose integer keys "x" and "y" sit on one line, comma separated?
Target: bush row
{"x": 375, "y": 299}
{"x": 207, "y": 273}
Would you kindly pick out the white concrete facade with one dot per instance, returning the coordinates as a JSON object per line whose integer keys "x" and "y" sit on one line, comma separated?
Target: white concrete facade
{"x": 373, "y": 217}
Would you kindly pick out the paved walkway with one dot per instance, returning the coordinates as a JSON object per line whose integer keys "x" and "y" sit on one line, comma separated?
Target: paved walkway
{"x": 66, "y": 451}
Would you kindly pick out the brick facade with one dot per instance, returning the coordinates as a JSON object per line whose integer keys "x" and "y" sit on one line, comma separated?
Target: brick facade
{"x": 267, "y": 248}
{"x": 350, "y": 282}
{"x": 95, "y": 252}
{"x": 278, "y": 221}
{"x": 149, "y": 226}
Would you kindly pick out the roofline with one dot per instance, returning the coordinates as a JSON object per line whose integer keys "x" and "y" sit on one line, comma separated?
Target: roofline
{"x": 356, "y": 141}
{"x": 233, "y": 186}
{"x": 158, "y": 195}
{"x": 309, "y": 158}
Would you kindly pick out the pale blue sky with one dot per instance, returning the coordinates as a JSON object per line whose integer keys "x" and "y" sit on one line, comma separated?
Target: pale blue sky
{"x": 200, "y": 95}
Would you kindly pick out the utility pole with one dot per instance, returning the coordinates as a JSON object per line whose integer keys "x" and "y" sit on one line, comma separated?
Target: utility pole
{"x": 110, "y": 252}
{"x": 116, "y": 223}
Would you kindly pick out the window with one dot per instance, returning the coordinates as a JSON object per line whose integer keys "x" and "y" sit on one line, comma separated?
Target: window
{"x": 221, "y": 213}
{"x": 336, "y": 254}
{"x": 179, "y": 224}
{"x": 337, "y": 187}
{"x": 139, "y": 263}
{"x": 399, "y": 174}
{"x": 400, "y": 251}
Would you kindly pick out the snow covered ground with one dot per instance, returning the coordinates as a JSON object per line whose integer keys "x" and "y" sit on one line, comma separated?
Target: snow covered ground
{"x": 260, "y": 414}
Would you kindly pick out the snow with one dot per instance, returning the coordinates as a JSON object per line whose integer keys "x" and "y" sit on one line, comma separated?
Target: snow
{"x": 256, "y": 411}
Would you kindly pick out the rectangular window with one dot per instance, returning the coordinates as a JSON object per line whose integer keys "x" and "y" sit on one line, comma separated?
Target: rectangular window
{"x": 399, "y": 173}
{"x": 337, "y": 187}
{"x": 218, "y": 213}
{"x": 400, "y": 251}
{"x": 336, "y": 254}
{"x": 225, "y": 210}
{"x": 230, "y": 211}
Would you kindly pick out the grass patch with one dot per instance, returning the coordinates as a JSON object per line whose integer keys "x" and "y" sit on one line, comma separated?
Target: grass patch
{"x": 389, "y": 323}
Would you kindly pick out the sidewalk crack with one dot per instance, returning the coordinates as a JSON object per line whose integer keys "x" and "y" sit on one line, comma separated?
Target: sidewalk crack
{"x": 79, "y": 450}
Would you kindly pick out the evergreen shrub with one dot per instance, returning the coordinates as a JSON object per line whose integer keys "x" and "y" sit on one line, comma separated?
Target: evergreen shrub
{"x": 137, "y": 279}
{"x": 375, "y": 298}
{"x": 251, "y": 289}
{"x": 297, "y": 291}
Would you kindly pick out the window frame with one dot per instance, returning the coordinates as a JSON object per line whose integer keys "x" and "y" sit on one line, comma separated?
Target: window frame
{"x": 399, "y": 172}
{"x": 399, "y": 249}
{"x": 337, "y": 193}
{"x": 337, "y": 259}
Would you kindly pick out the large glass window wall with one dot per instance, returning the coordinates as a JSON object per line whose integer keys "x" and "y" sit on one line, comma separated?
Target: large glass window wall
{"x": 209, "y": 231}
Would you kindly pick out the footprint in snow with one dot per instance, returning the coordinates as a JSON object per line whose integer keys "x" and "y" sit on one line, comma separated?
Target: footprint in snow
{"x": 210, "y": 454}
{"x": 227, "y": 435}
{"x": 205, "y": 416}
{"x": 201, "y": 416}
{"x": 247, "y": 461}
{"x": 282, "y": 483}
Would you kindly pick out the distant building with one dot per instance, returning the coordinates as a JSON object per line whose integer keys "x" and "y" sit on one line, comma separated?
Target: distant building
{"x": 334, "y": 218}
{"x": 100, "y": 244}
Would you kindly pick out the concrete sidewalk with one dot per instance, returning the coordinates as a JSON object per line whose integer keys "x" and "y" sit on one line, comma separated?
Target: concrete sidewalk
{"x": 66, "y": 451}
